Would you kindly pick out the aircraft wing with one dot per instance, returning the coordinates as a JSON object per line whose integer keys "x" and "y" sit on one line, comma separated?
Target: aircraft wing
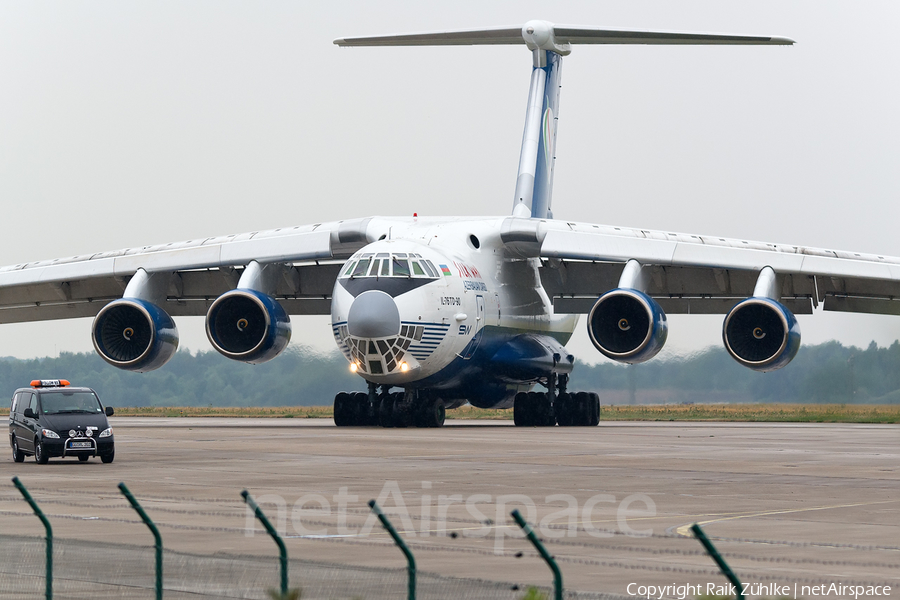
{"x": 694, "y": 274}
{"x": 201, "y": 270}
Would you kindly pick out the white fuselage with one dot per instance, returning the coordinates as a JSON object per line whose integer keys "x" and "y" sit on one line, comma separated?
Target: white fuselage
{"x": 449, "y": 281}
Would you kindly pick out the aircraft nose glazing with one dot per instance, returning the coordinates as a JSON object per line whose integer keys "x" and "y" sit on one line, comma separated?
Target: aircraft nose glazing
{"x": 373, "y": 314}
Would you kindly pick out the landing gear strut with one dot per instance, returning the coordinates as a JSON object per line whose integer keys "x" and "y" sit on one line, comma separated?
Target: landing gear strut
{"x": 546, "y": 409}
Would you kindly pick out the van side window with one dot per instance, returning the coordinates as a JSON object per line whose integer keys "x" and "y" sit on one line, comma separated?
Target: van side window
{"x": 33, "y": 405}
{"x": 12, "y": 408}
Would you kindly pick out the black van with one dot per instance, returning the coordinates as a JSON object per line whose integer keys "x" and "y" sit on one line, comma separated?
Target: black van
{"x": 53, "y": 419}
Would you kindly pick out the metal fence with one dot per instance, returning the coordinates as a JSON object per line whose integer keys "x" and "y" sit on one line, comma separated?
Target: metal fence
{"x": 98, "y": 569}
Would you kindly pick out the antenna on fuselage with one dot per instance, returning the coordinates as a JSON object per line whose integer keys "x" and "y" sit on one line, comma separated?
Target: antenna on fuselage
{"x": 548, "y": 44}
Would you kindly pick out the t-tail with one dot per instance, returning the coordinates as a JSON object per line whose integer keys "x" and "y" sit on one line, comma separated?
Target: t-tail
{"x": 548, "y": 43}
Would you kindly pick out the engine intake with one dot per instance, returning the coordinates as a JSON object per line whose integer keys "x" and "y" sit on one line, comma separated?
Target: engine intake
{"x": 134, "y": 335}
{"x": 761, "y": 334}
{"x": 627, "y": 325}
{"x": 248, "y": 326}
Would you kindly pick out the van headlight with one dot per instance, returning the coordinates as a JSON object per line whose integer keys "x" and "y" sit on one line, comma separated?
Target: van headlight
{"x": 106, "y": 432}
{"x": 49, "y": 433}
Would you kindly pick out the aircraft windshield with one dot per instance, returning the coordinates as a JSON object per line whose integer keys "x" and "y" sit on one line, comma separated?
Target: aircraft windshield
{"x": 57, "y": 403}
{"x": 384, "y": 264}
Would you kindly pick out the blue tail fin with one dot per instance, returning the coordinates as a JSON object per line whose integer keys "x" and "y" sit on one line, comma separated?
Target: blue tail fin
{"x": 534, "y": 183}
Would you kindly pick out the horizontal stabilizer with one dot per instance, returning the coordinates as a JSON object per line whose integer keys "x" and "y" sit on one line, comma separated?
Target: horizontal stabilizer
{"x": 545, "y": 35}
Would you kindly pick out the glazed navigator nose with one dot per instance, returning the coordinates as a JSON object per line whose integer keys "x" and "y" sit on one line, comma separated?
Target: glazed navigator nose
{"x": 373, "y": 314}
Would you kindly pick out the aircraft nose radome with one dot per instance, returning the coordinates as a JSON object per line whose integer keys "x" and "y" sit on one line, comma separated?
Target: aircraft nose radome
{"x": 373, "y": 314}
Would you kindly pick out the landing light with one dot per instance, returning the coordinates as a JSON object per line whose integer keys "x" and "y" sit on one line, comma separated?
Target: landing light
{"x": 404, "y": 367}
{"x": 354, "y": 367}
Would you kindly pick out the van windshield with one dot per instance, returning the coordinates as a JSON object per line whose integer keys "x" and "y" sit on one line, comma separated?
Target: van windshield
{"x": 56, "y": 403}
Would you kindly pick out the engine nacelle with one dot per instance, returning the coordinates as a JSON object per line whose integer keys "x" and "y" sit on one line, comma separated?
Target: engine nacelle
{"x": 248, "y": 326}
{"x": 134, "y": 335}
{"x": 628, "y": 326}
{"x": 761, "y": 334}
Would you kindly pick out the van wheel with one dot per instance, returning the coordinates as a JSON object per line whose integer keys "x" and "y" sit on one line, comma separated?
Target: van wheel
{"x": 40, "y": 457}
{"x": 18, "y": 455}
{"x": 107, "y": 458}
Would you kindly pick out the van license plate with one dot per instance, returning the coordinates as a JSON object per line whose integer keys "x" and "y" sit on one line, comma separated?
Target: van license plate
{"x": 80, "y": 445}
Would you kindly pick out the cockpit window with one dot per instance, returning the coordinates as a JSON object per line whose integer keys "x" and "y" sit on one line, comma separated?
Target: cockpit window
{"x": 432, "y": 272}
{"x": 390, "y": 265}
{"x": 401, "y": 267}
{"x": 362, "y": 267}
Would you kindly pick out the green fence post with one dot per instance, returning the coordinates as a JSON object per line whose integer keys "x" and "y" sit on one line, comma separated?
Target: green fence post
{"x": 723, "y": 566}
{"x": 410, "y": 559}
{"x": 48, "y": 578}
{"x": 282, "y": 551}
{"x": 529, "y": 533}
{"x": 159, "y": 546}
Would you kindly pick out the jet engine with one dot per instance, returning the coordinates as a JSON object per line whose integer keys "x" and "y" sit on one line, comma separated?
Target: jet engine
{"x": 248, "y": 325}
{"x": 761, "y": 333}
{"x": 627, "y": 325}
{"x": 134, "y": 335}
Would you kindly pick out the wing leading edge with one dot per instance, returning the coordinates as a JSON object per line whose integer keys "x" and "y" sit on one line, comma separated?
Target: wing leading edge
{"x": 701, "y": 274}
{"x": 199, "y": 271}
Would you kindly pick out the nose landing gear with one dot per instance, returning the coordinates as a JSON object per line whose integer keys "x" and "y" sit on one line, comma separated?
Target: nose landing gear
{"x": 546, "y": 409}
{"x": 388, "y": 409}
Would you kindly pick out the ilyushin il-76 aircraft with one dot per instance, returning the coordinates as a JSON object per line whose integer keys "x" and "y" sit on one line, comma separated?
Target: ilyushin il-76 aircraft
{"x": 436, "y": 312}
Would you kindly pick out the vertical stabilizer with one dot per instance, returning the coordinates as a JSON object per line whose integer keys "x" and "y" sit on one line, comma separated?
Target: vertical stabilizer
{"x": 534, "y": 182}
{"x": 548, "y": 44}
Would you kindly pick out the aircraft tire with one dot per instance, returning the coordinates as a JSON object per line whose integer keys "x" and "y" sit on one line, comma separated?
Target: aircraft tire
{"x": 564, "y": 414}
{"x": 359, "y": 403}
{"x": 386, "y": 411}
{"x": 373, "y": 419}
{"x": 581, "y": 415}
{"x": 595, "y": 409}
{"x": 522, "y": 410}
{"x": 541, "y": 409}
{"x": 431, "y": 413}
{"x": 342, "y": 413}
{"x": 400, "y": 416}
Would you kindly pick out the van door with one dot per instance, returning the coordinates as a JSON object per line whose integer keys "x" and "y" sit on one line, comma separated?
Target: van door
{"x": 12, "y": 417}
{"x": 27, "y": 427}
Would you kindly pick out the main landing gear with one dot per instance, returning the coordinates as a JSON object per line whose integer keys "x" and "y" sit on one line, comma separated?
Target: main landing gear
{"x": 556, "y": 405}
{"x": 388, "y": 409}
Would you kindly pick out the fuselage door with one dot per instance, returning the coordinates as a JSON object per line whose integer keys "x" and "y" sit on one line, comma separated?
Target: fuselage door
{"x": 472, "y": 346}
{"x": 479, "y": 319}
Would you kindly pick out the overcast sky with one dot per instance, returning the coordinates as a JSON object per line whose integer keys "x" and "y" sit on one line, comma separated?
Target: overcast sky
{"x": 133, "y": 123}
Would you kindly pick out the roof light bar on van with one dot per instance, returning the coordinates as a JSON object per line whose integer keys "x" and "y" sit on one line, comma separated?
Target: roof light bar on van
{"x": 42, "y": 383}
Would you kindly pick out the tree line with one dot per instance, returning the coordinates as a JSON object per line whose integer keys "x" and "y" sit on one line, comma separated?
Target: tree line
{"x": 826, "y": 373}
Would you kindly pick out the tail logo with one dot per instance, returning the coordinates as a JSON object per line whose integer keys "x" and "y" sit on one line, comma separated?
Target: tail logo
{"x": 547, "y": 127}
